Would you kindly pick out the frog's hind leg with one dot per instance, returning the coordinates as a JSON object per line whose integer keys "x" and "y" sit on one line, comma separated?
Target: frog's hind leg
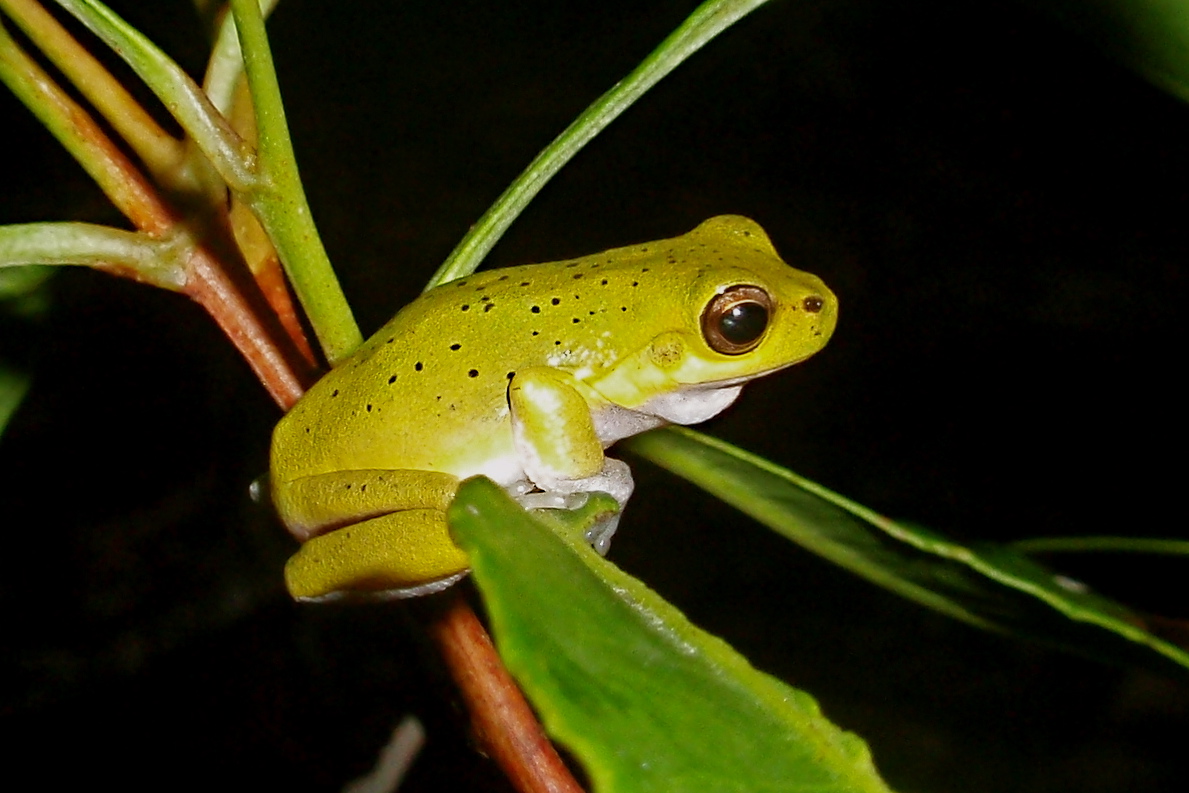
{"x": 313, "y": 505}
{"x": 377, "y": 531}
{"x": 402, "y": 554}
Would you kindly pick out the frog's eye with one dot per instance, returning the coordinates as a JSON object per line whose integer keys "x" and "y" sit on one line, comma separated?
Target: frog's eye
{"x": 735, "y": 320}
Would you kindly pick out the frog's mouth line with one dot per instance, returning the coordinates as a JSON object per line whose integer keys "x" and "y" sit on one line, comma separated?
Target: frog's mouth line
{"x": 742, "y": 379}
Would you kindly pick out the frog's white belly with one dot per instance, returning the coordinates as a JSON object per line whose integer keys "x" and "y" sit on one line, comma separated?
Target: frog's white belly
{"x": 507, "y": 471}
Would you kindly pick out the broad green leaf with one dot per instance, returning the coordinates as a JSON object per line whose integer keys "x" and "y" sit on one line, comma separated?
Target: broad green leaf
{"x": 647, "y": 701}
{"x": 988, "y": 585}
{"x": 1150, "y": 36}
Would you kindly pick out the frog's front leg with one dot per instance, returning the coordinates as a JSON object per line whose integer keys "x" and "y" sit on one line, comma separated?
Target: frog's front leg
{"x": 554, "y": 430}
{"x": 370, "y": 531}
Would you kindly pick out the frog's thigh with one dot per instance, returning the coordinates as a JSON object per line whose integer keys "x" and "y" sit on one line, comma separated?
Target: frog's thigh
{"x": 552, "y": 423}
{"x": 312, "y": 504}
{"x": 401, "y": 551}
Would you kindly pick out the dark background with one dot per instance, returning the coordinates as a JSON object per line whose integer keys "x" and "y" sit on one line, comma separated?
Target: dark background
{"x": 1001, "y": 211}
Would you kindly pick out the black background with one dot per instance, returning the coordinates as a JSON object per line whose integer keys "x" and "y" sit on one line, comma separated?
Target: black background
{"x": 1000, "y": 209}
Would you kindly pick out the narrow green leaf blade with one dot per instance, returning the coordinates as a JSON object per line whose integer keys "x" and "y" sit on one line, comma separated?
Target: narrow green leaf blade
{"x": 23, "y": 297}
{"x": 646, "y": 700}
{"x": 988, "y": 585}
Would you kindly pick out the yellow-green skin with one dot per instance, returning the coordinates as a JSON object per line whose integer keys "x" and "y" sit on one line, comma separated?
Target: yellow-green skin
{"x": 526, "y": 375}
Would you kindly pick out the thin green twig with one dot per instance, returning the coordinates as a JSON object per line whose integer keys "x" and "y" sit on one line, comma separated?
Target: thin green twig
{"x": 160, "y": 262}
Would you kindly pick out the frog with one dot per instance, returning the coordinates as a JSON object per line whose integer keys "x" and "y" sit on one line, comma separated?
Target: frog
{"x": 526, "y": 375}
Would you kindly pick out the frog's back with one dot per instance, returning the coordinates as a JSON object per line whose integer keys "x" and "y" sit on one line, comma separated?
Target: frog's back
{"x": 428, "y": 390}
{"x": 430, "y": 386}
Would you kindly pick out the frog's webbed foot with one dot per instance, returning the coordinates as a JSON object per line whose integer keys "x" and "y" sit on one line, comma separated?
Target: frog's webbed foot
{"x": 571, "y": 494}
{"x": 599, "y": 534}
{"x": 615, "y": 479}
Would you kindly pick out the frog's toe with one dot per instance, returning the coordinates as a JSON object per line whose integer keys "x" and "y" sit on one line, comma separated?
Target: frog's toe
{"x": 553, "y": 500}
{"x": 599, "y": 535}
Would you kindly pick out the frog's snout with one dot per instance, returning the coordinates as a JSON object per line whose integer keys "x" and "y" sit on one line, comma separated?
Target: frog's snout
{"x": 822, "y": 308}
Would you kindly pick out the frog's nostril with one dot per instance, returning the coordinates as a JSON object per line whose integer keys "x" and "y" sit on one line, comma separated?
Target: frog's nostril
{"x": 813, "y": 304}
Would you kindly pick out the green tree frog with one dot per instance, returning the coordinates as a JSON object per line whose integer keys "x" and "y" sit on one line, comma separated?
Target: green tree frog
{"x": 525, "y": 375}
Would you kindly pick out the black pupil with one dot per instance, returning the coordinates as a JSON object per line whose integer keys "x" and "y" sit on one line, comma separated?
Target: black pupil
{"x": 744, "y": 322}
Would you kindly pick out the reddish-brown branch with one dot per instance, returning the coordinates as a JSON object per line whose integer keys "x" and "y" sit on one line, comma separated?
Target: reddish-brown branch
{"x": 270, "y": 277}
{"x": 120, "y": 180}
{"x": 504, "y": 724}
{"x": 264, "y": 264}
{"x": 211, "y": 287}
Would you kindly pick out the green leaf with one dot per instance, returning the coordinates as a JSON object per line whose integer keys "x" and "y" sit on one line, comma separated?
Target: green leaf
{"x": 988, "y": 585}
{"x": 1150, "y": 36}
{"x": 23, "y": 296}
{"x": 13, "y": 386}
{"x": 647, "y": 701}
{"x": 23, "y": 290}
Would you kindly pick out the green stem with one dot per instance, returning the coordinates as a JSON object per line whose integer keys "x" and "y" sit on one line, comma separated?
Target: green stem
{"x": 160, "y": 262}
{"x": 280, "y": 201}
{"x": 706, "y": 22}
{"x": 226, "y": 64}
{"x": 267, "y": 181}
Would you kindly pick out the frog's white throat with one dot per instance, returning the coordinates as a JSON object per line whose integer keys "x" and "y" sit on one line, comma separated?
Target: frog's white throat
{"x": 684, "y": 406}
